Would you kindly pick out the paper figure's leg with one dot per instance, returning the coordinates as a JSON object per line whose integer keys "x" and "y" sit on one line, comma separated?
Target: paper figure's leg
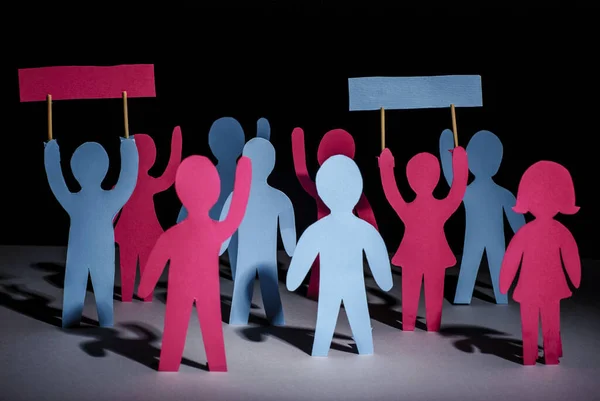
{"x": 177, "y": 317}
{"x": 144, "y": 255}
{"x": 208, "y": 306}
{"x": 411, "y": 290}
{"x": 128, "y": 257}
{"x": 243, "y": 289}
{"x": 551, "y": 332}
{"x": 182, "y": 214}
{"x": 232, "y": 252}
{"x": 103, "y": 282}
{"x": 529, "y": 324}
{"x": 358, "y": 316}
{"x": 434, "y": 299}
{"x": 313, "y": 283}
{"x": 269, "y": 289}
{"x": 495, "y": 253}
{"x": 469, "y": 266}
{"x": 327, "y": 314}
{"x": 76, "y": 277}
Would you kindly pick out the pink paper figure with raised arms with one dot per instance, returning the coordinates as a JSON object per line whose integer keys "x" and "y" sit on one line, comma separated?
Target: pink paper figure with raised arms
{"x": 334, "y": 142}
{"x": 138, "y": 227}
{"x": 193, "y": 247}
{"x": 545, "y": 190}
{"x": 424, "y": 253}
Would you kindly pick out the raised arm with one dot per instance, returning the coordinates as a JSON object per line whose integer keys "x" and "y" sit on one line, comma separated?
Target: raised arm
{"x": 378, "y": 258}
{"x": 365, "y": 212}
{"x": 224, "y": 213}
{"x": 511, "y": 261}
{"x": 388, "y": 181}
{"x": 263, "y": 129}
{"x": 570, "y": 257}
{"x": 460, "y": 172}
{"x": 167, "y": 179}
{"x": 128, "y": 174}
{"x": 446, "y": 145}
{"x": 515, "y": 220}
{"x": 305, "y": 254}
{"x": 54, "y": 173}
{"x": 299, "y": 155}
{"x": 156, "y": 264}
{"x": 287, "y": 225}
{"x": 239, "y": 201}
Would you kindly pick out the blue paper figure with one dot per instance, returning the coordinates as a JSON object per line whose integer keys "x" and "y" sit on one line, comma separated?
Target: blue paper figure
{"x": 263, "y": 129}
{"x": 257, "y": 237}
{"x": 340, "y": 239}
{"x": 91, "y": 247}
{"x": 485, "y": 204}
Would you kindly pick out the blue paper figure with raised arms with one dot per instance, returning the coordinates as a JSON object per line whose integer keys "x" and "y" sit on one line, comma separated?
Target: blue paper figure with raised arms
{"x": 257, "y": 237}
{"x": 485, "y": 205}
{"x": 91, "y": 247}
{"x": 340, "y": 239}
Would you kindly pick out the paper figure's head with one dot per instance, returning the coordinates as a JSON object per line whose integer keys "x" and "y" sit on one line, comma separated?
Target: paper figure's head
{"x": 263, "y": 129}
{"x": 89, "y": 164}
{"x": 545, "y": 190}
{"x": 485, "y": 154}
{"x": 146, "y": 150}
{"x": 197, "y": 184}
{"x": 339, "y": 183}
{"x": 423, "y": 173}
{"x": 226, "y": 139}
{"x": 335, "y": 142}
{"x": 262, "y": 154}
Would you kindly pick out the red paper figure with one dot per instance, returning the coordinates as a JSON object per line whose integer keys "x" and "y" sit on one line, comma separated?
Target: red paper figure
{"x": 334, "y": 142}
{"x": 545, "y": 190}
{"x": 424, "y": 253}
{"x": 138, "y": 227}
{"x": 193, "y": 247}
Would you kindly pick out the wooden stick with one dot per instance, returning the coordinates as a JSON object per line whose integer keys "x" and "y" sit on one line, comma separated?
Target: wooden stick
{"x": 382, "y": 112}
{"x": 454, "y": 130}
{"x": 49, "y": 102}
{"x": 125, "y": 114}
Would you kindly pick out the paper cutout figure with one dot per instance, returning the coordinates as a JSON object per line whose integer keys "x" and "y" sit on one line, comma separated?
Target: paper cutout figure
{"x": 91, "y": 247}
{"x": 263, "y": 129}
{"x": 485, "y": 203}
{"x": 193, "y": 246}
{"x": 334, "y": 142}
{"x": 340, "y": 239}
{"x": 86, "y": 82}
{"x": 257, "y": 238}
{"x": 138, "y": 227}
{"x": 424, "y": 253}
{"x": 545, "y": 190}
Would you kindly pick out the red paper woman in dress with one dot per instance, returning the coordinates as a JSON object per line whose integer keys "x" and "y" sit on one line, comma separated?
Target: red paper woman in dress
{"x": 334, "y": 142}
{"x": 545, "y": 190}
{"x": 424, "y": 253}
{"x": 138, "y": 227}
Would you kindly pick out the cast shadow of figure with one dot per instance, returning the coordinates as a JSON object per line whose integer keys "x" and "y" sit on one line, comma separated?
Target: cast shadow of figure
{"x": 452, "y": 282}
{"x": 33, "y": 305}
{"x": 226, "y": 309}
{"x": 298, "y": 337}
{"x": 385, "y": 312}
{"x": 487, "y": 341}
{"x": 140, "y": 349}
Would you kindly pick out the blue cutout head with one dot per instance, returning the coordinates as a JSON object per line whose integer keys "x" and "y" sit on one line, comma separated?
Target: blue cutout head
{"x": 485, "y": 154}
{"x": 263, "y": 129}
{"x": 262, "y": 154}
{"x": 226, "y": 139}
{"x": 339, "y": 184}
{"x": 89, "y": 164}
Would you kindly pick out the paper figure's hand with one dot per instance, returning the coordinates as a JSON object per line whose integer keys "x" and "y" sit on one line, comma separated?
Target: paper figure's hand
{"x": 459, "y": 151}
{"x": 386, "y": 159}
{"x": 131, "y": 139}
{"x": 51, "y": 144}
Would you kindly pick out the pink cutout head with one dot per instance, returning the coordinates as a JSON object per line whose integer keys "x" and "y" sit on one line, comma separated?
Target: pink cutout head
{"x": 197, "y": 184}
{"x": 423, "y": 173}
{"x": 335, "y": 142}
{"x": 146, "y": 150}
{"x": 545, "y": 190}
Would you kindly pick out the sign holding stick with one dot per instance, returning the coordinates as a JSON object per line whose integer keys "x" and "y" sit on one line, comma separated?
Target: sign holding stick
{"x": 402, "y": 93}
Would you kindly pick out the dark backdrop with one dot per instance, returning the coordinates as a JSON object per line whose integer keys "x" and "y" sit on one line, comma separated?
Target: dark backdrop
{"x": 290, "y": 65}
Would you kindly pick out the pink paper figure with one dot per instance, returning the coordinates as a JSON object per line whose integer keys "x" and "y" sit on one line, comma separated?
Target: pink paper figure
{"x": 545, "y": 190}
{"x": 138, "y": 228}
{"x": 424, "y": 253}
{"x": 193, "y": 247}
{"x": 334, "y": 142}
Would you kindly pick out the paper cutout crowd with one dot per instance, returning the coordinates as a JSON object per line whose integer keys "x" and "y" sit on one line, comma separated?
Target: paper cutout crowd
{"x": 232, "y": 207}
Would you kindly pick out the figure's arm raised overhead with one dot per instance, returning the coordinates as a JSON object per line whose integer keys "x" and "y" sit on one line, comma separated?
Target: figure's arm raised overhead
{"x": 167, "y": 179}
{"x": 156, "y": 264}
{"x": 570, "y": 257}
{"x": 224, "y": 213}
{"x": 378, "y": 258}
{"x": 239, "y": 199}
{"x": 388, "y": 181}
{"x": 511, "y": 261}
{"x": 460, "y": 172}
{"x": 287, "y": 225}
{"x": 365, "y": 212}
{"x": 299, "y": 155}
{"x": 305, "y": 254}
{"x": 515, "y": 220}
{"x": 54, "y": 173}
{"x": 128, "y": 174}
{"x": 446, "y": 146}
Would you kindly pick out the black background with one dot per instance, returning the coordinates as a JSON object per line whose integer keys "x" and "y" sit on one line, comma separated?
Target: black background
{"x": 539, "y": 71}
